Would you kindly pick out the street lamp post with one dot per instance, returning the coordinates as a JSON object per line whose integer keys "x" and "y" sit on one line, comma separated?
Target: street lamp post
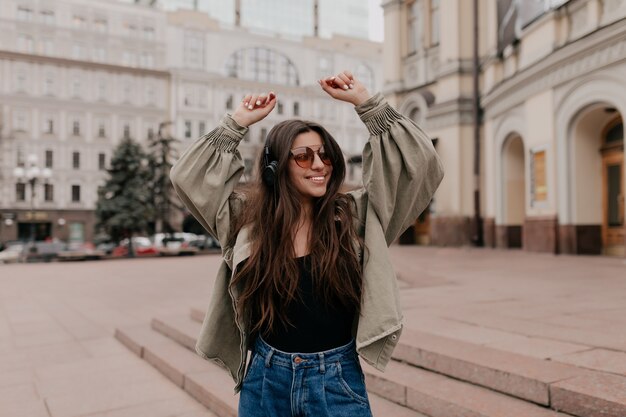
{"x": 32, "y": 175}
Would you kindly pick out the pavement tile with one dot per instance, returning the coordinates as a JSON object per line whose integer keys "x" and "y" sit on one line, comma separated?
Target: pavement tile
{"x": 597, "y": 395}
{"x": 599, "y": 359}
{"x": 103, "y": 346}
{"x": 536, "y": 347}
{"x": 165, "y": 408}
{"x": 21, "y": 401}
{"x": 83, "y": 366}
{"x": 16, "y": 377}
{"x": 87, "y": 383}
{"x": 113, "y": 397}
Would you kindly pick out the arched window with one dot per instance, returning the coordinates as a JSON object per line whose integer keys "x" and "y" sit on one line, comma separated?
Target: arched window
{"x": 262, "y": 64}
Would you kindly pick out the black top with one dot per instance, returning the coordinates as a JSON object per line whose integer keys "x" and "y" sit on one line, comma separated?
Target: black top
{"x": 316, "y": 327}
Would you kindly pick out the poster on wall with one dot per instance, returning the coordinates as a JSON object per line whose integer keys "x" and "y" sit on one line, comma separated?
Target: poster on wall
{"x": 515, "y": 15}
{"x": 538, "y": 183}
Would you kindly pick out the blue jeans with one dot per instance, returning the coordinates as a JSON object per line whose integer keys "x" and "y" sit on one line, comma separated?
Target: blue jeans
{"x": 280, "y": 384}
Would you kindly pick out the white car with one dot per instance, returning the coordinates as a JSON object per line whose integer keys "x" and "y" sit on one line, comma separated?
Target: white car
{"x": 176, "y": 244}
{"x": 12, "y": 254}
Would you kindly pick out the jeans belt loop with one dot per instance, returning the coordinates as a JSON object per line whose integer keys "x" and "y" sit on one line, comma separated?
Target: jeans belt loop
{"x": 322, "y": 365}
{"x": 268, "y": 358}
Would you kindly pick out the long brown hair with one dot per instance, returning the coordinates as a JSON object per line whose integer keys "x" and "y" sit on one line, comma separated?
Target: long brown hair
{"x": 268, "y": 280}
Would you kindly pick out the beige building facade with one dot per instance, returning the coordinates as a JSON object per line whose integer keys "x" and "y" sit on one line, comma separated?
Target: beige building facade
{"x": 552, "y": 100}
{"x": 77, "y": 76}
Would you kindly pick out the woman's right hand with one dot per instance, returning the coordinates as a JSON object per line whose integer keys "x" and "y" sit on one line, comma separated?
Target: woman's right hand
{"x": 254, "y": 107}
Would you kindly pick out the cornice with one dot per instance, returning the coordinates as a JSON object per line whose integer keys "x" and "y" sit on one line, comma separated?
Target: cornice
{"x": 64, "y": 62}
{"x": 598, "y": 49}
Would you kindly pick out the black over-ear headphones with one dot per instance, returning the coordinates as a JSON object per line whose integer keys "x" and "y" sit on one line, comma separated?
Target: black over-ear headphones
{"x": 270, "y": 170}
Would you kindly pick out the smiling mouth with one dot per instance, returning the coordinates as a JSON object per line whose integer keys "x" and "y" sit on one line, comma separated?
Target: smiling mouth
{"x": 318, "y": 179}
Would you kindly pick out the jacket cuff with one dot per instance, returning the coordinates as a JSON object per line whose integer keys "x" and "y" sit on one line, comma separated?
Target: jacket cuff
{"x": 377, "y": 114}
{"x": 229, "y": 123}
{"x": 228, "y": 137}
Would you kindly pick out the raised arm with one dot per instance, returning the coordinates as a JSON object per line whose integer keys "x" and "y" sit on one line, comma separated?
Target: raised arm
{"x": 208, "y": 171}
{"x": 401, "y": 169}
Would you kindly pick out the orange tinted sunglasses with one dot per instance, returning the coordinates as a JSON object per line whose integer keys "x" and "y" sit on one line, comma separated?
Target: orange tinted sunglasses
{"x": 304, "y": 156}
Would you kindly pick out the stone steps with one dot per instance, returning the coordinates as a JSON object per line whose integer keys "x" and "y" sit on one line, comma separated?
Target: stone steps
{"x": 426, "y": 392}
{"x": 577, "y": 391}
{"x": 203, "y": 380}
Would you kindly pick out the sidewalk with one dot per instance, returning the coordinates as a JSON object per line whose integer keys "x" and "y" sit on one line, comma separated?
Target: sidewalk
{"x": 58, "y": 356}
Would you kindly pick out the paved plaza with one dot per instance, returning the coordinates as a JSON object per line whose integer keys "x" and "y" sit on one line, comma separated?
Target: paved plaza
{"x": 59, "y": 357}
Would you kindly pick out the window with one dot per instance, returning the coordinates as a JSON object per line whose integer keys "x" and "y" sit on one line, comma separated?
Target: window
{"x": 146, "y": 60}
{"x": 47, "y": 47}
{"x": 415, "y": 27}
{"x": 49, "y": 125}
{"x": 48, "y": 84}
{"x": 25, "y": 44}
{"x": 148, "y": 33}
{"x": 76, "y": 160}
{"x": 126, "y": 132}
{"x": 79, "y": 21}
{"x": 76, "y": 87}
{"x": 78, "y": 51}
{"x": 75, "y": 193}
{"x": 263, "y": 134}
{"x": 365, "y": 74}
{"x": 99, "y": 54}
{"x": 101, "y": 161}
{"x": 19, "y": 160}
{"x": 150, "y": 133}
{"x": 102, "y": 90}
{"x": 296, "y": 109}
{"x": 48, "y": 192}
{"x": 127, "y": 92}
{"x": 201, "y": 128}
{"x": 20, "y": 191}
{"x": 100, "y": 25}
{"x": 131, "y": 29}
{"x": 24, "y": 14}
{"x": 279, "y": 107}
{"x": 193, "y": 44}
{"x": 262, "y": 64}
{"x": 19, "y": 121}
{"x": 49, "y": 160}
{"x": 229, "y": 102}
{"x": 187, "y": 129}
{"x": 101, "y": 130}
{"x": 47, "y": 17}
{"x": 150, "y": 96}
{"x": 76, "y": 128}
{"x": 434, "y": 22}
{"x": 21, "y": 81}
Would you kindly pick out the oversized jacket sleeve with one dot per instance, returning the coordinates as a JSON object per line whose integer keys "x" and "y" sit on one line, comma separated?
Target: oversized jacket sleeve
{"x": 401, "y": 169}
{"x": 206, "y": 175}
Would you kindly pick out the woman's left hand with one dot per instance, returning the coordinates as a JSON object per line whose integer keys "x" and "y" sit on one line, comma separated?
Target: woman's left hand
{"x": 345, "y": 87}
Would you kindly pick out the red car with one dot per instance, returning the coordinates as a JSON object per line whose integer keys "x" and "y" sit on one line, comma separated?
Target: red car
{"x": 142, "y": 246}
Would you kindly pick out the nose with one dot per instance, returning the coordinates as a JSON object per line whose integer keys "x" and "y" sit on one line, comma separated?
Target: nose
{"x": 317, "y": 162}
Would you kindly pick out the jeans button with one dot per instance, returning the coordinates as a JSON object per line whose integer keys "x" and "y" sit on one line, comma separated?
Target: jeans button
{"x": 297, "y": 360}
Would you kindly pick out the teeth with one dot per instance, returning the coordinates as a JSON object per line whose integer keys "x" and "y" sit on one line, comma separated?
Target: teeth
{"x": 317, "y": 178}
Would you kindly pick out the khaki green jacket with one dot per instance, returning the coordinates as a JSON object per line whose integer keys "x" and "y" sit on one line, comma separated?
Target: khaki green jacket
{"x": 401, "y": 172}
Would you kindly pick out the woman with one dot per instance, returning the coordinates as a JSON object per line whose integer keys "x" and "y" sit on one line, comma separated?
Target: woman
{"x": 306, "y": 282}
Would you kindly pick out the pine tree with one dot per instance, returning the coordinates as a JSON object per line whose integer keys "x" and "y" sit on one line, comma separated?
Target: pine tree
{"x": 164, "y": 196}
{"x": 125, "y": 204}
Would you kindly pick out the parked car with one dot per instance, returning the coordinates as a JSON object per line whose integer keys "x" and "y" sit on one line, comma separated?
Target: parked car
{"x": 80, "y": 251}
{"x": 42, "y": 251}
{"x": 141, "y": 245}
{"x": 175, "y": 244}
{"x": 13, "y": 253}
{"x": 205, "y": 242}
